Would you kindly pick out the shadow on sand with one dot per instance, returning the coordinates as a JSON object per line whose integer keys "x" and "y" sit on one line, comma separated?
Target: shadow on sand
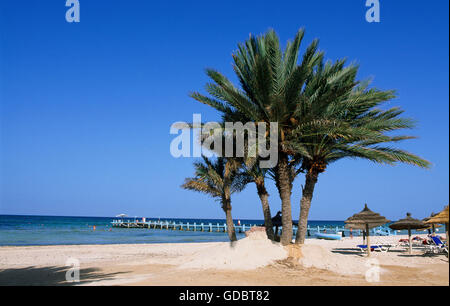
{"x": 399, "y": 253}
{"x": 50, "y": 276}
{"x": 347, "y": 251}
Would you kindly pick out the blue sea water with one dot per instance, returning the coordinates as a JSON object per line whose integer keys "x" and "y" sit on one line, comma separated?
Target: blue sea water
{"x": 55, "y": 230}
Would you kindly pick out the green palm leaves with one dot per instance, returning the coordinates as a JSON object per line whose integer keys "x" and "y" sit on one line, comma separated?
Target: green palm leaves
{"x": 339, "y": 118}
{"x": 323, "y": 114}
{"x": 271, "y": 81}
{"x": 217, "y": 178}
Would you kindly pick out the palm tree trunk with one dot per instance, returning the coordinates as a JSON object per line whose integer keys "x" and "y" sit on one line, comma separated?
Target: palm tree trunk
{"x": 305, "y": 204}
{"x": 284, "y": 188}
{"x": 226, "y": 206}
{"x": 264, "y": 197}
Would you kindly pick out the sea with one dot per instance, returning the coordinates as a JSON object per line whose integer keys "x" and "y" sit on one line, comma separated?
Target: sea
{"x": 58, "y": 230}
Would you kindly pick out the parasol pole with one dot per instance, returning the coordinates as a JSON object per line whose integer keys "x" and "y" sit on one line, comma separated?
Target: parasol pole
{"x": 368, "y": 239}
{"x": 409, "y": 237}
{"x": 446, "y": 230}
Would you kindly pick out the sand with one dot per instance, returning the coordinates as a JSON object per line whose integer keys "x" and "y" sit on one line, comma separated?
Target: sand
{"x": 250, "y": 253}
{"x": 250, "y": 261}
{"x": 343, "y": 258}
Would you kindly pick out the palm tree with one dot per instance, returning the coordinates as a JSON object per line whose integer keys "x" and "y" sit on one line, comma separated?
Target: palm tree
{"x": 218, "y": 178}
{"x": 253, "y": 173}
{"x": 271, "y": 84}
{"x": 338, "y": 117}
{"x": 249, "y": 170}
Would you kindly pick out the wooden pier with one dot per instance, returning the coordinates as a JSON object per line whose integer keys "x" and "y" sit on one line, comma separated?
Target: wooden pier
{"x": 222, "y": 227}
{"x": 172, "y": 225}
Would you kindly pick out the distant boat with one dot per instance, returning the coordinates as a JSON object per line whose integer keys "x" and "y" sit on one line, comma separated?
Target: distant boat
{"x": 328, "y": 236}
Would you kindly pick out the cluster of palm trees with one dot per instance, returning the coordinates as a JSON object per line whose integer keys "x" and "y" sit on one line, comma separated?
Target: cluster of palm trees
{"x": 323, "y": 113}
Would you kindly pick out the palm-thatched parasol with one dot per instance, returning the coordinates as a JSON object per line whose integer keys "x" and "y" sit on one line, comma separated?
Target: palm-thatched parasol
{"x": 408, "y": 223}
{"x": 441, "y": 218}
{"x": 277, "y": 222}
{"x": 434, "y": 225}
{"x": 366, "y": 219}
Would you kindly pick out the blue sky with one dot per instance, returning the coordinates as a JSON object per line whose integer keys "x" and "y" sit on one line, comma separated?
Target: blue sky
{"x": 85, "y": 108}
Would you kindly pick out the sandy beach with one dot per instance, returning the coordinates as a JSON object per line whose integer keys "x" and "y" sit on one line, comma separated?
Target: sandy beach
{"x": 318, "y": 262}
{"x": 221, "y": 143}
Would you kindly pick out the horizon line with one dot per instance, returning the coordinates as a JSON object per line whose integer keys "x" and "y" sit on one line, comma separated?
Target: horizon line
{"x": 20, "y": 215}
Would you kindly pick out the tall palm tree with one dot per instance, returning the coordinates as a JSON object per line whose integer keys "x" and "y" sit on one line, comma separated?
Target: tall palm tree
{"x": 249, "y": 169}
{"x": 253, "y": 173}
{"x": 220, "y": 179}
{"x": 271, "y": 84}
{"x": 338, "y": 117}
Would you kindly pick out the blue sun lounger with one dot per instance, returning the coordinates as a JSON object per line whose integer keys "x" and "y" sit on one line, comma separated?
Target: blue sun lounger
{"x": 375, "y": 247}
{"x": 438, "y": 245}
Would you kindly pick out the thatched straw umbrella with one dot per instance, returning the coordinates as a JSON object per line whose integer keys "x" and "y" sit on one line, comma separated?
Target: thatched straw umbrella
{"x": 366, "y": 220}
{"x": 276, "y": 221}
{"x": 441, "y": 218}
{"x": 408, "y": 223}
{"x": 434, "y": 225}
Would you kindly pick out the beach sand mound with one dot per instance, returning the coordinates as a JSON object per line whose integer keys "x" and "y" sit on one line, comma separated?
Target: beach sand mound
{"x": 319, "y": 257}
{"x": 249, "y": 253}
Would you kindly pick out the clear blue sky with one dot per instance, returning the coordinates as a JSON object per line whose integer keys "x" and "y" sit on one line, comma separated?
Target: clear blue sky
{"x": 86, "y": 108}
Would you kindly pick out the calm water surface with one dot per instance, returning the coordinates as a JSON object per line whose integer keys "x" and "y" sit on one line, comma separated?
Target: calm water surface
{"x": 52, "y": 230}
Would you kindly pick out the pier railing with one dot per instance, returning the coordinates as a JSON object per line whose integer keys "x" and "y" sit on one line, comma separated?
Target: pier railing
{"x": 222, "y": 227}
{"x": 172, "y": 225}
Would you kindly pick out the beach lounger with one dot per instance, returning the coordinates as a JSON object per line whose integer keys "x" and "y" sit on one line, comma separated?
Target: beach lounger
{"x": 437, "y": 246}
{"x": 403, "y": 243}
{"x": 418, "y": 241}
{"x": 375, "y": 247}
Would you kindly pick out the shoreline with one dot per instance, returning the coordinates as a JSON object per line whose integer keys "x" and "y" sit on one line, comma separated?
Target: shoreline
{"x": 103, "y": 244}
